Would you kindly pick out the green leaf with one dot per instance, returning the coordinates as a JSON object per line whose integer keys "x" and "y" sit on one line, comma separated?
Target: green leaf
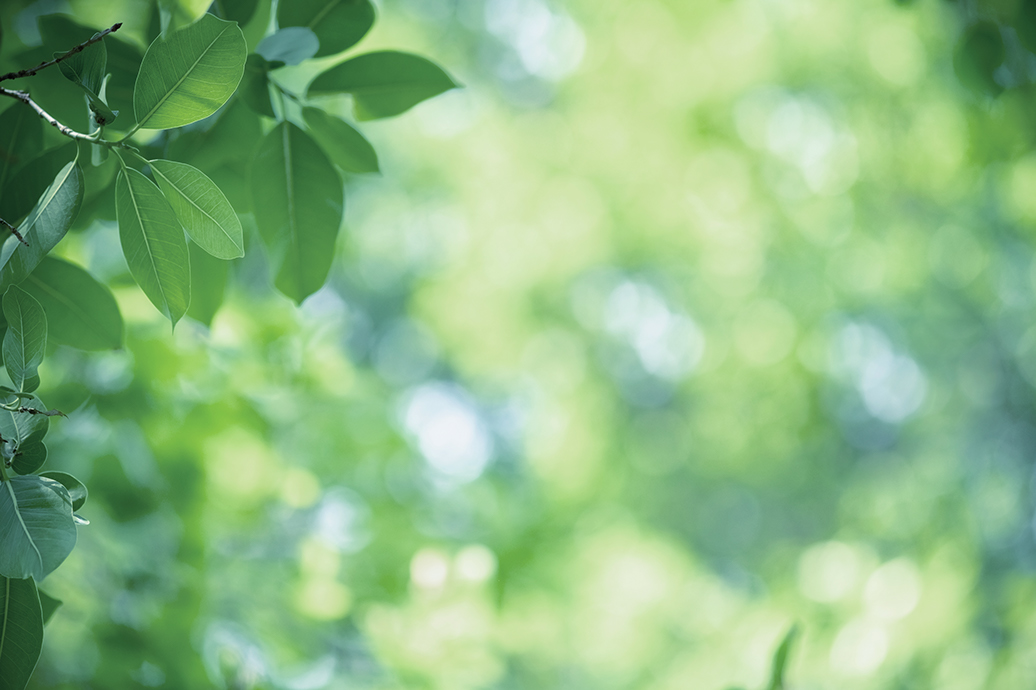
{"x": 201, "y": 208}
{"x": 31, "y": 454}
{"x": 346, "y": 147}
{"x": 31, "y": 179}
{"x": 87, "y": 67}
{"x": 977, "y": 55}
{"x": 153, "y": 243}
{"x": 289, "y": 46}
{"x": 49, "y": 605}
{"x": 26, "y": 337}
{"x": 44, "y": 227}
{"x": 76, "y": 489}
{"x": 21, "y": 138}
{"x": 188, "y": 75}
{"x": 383, "y": 83}
{"x": 338, "y": 24}
{"x": 255, "y": 86}
{"x": 239, "y": 11}
{"x": 21, "y": 631}
{"x": 36, "y": 528}
{"x": 297, "y": 197}
{"x": 178, "y": 13}
{"x": 780, "y": 659}
{"x": 232, "y": 138}
{"x": 81, "y": 311}
{"x": 208, "y": 283}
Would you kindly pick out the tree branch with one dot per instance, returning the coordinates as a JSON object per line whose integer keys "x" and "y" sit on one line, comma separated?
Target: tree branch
{"x": 50, "y": 63}
{"x": 27, "y": 100}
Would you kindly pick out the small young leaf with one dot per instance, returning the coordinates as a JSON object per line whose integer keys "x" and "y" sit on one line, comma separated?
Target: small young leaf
{"x": 289, "y": 46}
{"x": 36, "y": 528}
{"x": 49, "y": 605}
{"x": 383, "y": 83}
{"x": 21, "y": 631}
{"x": 338, "y": 24}
{"x": 346, "y": 147}
{"x": 201, "y": 208}
{"x": 81, "y": 312}
{"x": 30, "y": 455}
{"x": 76, "y": 489}
{"x": 153, "y": 244}
{"x": 23, "y": 430}
{"x": 780, "y": 659}
{"x": 188, "y": 75}
{"x": 44, "y": 227}
{"x": 87, "y": 67}
{"x": 26, "y": 337}
{"x": 297, "y": 197}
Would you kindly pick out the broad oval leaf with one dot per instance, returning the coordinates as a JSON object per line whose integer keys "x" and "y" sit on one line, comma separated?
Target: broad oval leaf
{"x": 76, "y": 489}
{"x": 297, "y": 197}
{"x": 49, "y": 605}
{"x": 23, "y": 428}
{"x": 383, "y": 83}
{"x": 338, "y": 24}
{"x": 346, "y": 147}
{"x": 81, "y": 312}
{"x": 44, "y": 227}
{"x": 30, "y": 457}
{"x": 21, "y": 631}
{"x": 201, "y": 208}
{"x": 26, "y": 338}
{"x": 153, "y": 243}
{"x": 290, "y": 46}
{"x": 188, "y": 75}
{"x": 36, "y": 528}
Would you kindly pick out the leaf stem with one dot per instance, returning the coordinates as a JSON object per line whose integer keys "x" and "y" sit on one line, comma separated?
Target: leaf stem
{"x": 50, "y": 63}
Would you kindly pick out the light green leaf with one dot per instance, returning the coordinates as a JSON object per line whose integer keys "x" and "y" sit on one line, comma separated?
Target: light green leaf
{"x": 201, "y": 208}
{"x": 44, "y": 227}
{"x": 87, "y": 67}
{"x": 338, "y": 24}
{"x": 780, "y": 659}
{"x": 383, "y": 83}
{"x": 297, "y": 197}
{"x": 26, "y": 337}
{"x": 153, "y": 243}
{"x": 188, "y": 75}
{"x": 208, "y": 283}
{"x": 49, "y": 605}
{"x": 76, "y": 489}
{"x": 21, "y": 138}
{"x": 36, "y": 528}
{"x": 81, "y": 312}
{"x": 177, "y": 13}
{"x": 21, "y": 631}
{"x": 346, "y": 147}
{"x": 289, "y": 46}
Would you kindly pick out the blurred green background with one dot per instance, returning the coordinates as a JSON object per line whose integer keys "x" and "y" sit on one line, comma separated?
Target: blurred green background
{"x": 683, "y": 321}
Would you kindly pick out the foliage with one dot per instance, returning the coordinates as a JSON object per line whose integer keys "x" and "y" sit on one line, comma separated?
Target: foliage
{"x": 188, "y": 74}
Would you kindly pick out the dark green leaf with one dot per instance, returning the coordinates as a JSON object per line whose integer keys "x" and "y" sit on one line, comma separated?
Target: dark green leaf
{"x": 153, "y": 244}
{"x": 297, "y": 197}
{"x": 239, "y": 11}
{"x": 44, "y": 227}
{"x": 36, "y": 528}
{"x": 977, "y": 55}
{"x": 201, "y": 208}
{"x": 26, "y": 337}
{"x": 23, "y": 429}
{"x": 21, "y": 631}
{"x": 780, "y": 659}
{"x": 384, "y": 83}
{"x": 1025, "y": 24}
{"x": 76, "y": 489}
{"x": 87, "y": 67}
{"x": 29, "y": 181}
{"x": 289, "y": 46}
{"x": 188, "y": 75}
{"x": 255, "y": 86}
{"x": 49, "y": 605}
{"x": 338, "y": 24}
{"x": 346, "y": 147}
{"x": 208, "y": 283}
{"x": 21, "y": 138}
{"x": 231, "y": 138}
{"x": 31, "y": 454}
{"x": 81, "y": 312}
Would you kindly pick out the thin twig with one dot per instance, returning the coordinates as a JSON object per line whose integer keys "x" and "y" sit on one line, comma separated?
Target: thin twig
{"x": 14, "y": 231}
{"x": 78, "y": 49}
{"x": 27, "y": 100}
